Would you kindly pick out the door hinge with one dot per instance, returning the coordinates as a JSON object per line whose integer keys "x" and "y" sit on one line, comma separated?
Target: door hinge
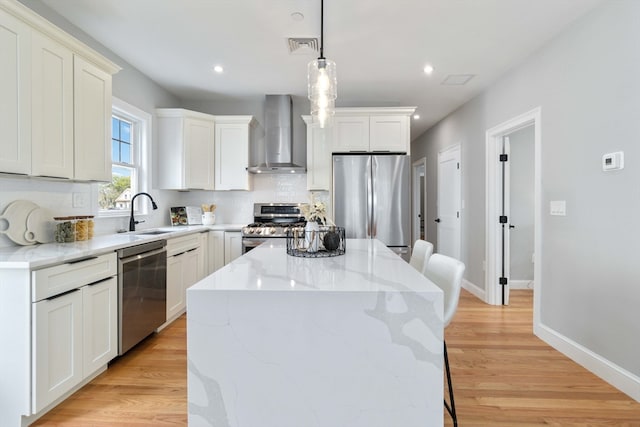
{"x": 458, "y": 165}
{"x": 503, "y": 219}
{"x": 458, "y": 214}
{"x": 504, "y": 157}
{"x": 503, "y": 280}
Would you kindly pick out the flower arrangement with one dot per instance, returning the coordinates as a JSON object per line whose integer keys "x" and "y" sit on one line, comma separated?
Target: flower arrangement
{"x": 315, "y": 212}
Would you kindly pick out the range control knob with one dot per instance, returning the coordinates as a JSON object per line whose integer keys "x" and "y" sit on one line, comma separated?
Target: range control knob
{"x": 272, "y": 230}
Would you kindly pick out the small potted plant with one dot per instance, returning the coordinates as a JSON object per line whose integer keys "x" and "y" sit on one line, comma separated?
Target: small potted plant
{"x": 315, "y": 213}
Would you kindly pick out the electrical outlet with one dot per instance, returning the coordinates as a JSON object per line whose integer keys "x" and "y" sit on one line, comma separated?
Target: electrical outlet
{"x": 79, "y": 200}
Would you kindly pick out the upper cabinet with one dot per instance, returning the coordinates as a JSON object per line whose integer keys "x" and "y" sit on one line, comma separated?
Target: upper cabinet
{"x": 92, "y": 119}
{"x": 56, "y": 100}
{"x": 232, "y": 139}
{"x": 186, "y": 149}
{"x": 372, "y": 130}
{"x": 15, "y": 99}
{"x": 319, "y": 149}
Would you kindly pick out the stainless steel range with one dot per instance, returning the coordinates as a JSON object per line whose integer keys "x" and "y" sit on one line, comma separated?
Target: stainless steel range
{"x": 271, "y": 221}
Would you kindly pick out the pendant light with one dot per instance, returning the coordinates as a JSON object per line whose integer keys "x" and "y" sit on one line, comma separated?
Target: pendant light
{"x": 322, "y": 82}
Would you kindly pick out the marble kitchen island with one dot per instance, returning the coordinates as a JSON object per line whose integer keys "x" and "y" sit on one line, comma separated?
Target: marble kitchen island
{"x": 279, "y": 341}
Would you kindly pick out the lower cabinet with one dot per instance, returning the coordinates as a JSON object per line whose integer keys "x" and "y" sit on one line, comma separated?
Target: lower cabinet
{"x": 183, "y": 270}
{"x": 75, "y": 334}
{"x": 215, "y": 250}
{"x": 232, "y": 246}
{"x": 100, "y": 324}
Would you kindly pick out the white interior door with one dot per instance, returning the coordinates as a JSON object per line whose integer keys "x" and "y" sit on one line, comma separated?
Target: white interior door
{"x": 449, "y": 202}
{"x": 419, "y": 200}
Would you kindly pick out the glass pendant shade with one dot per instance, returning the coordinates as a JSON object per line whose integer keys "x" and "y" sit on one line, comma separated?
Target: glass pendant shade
{"x": 322, "y": 89}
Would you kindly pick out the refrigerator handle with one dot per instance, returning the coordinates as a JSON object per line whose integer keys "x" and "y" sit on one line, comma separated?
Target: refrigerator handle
{"x": 369, "y": 199}
{"x": 374, "y": 198}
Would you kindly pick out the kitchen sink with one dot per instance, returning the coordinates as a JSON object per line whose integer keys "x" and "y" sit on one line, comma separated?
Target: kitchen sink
{"x": 153, "y": 232}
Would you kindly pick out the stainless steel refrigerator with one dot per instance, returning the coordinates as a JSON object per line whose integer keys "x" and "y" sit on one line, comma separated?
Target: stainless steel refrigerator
{"x": 371, "y": 198}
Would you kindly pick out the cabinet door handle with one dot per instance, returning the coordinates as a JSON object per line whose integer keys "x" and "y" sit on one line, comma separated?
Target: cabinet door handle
{"x": 99, "y": 281}
{"x": 62, "y": 294}
{"x": 75, "y": 261}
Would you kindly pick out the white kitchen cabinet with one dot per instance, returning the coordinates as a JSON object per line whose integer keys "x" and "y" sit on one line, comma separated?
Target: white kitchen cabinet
{"x": 216, "y": 250}
{"x": 57, "y": 347}
{"x": 389, "y": 133}
{"x": 55, "y": 100}
{"x": 232, "y": 246}
{"x": 92, "y": 122}
{"x": 15, "y": 95}
{"x": 100, "y": 324}
{"x": 183, "y": 270}
{"x": 351, "y": 133}
{"x": 186, "y": 149}
{"x": 383, "y": 130}
{"x": 232, "y": 138}
{"x": 203, "y": 254}
{"x": 74, "y": 318}
{"x": 52, "y": 108}
{"x": 319, "y": 148}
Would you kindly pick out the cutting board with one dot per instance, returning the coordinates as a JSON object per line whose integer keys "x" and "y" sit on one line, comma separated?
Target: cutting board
{"x": 13, "y": 221}
{"x": 39, "y": 226}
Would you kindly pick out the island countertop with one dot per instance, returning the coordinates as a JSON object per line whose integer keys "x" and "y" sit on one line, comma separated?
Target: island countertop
{"x": 353, "y": 340}
{"x": 368, "y": 265}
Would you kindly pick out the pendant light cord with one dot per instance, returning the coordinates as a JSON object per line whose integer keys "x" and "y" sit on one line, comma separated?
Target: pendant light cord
{"x": 321, "y": 29}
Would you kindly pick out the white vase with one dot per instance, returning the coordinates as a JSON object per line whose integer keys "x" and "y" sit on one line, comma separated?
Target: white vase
{"x": 312, "y": 236}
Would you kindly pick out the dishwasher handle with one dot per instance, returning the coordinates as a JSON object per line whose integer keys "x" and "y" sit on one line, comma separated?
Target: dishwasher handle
{"x": 142, "y": 255}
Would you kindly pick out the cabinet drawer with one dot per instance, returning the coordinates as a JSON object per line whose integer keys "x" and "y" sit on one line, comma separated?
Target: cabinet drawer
{"x": 182, "y": 244}
{"x": 51, "y": 281}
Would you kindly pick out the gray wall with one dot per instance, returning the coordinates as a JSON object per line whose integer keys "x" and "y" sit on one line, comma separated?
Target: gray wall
{"x": 586, "y": 83}
{"x": 521, "y": 203}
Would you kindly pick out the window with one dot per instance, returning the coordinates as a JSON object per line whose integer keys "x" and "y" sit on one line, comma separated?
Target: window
{"x": 129, "y": 133}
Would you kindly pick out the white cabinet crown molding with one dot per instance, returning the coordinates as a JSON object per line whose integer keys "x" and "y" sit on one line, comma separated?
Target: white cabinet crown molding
{"x": 39, "y": 23}
{"x": 387, "y": 111}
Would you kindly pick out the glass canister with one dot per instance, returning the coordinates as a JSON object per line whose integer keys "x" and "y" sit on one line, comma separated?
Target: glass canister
{"x": 82, "y": 228}
{"x": 65, "y": 230}
{"x": 90, "y": 224}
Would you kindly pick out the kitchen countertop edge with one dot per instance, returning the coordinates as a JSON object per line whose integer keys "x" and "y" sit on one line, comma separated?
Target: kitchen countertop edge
{"x": 47, "y": 254}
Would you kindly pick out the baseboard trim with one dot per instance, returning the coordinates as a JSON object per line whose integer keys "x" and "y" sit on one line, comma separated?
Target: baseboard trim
{"x": 521, "y": 284}
{"x": 475, "y": 290}
{"x": 618, "y": 377}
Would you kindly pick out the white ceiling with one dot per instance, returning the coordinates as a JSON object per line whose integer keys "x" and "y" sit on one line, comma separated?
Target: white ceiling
{"x": 380, "y": 46}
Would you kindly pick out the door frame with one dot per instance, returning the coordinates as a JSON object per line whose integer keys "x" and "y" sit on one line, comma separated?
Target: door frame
{"x": 415, "y": 222}
{"x": 454, "y": 147}
{"x": 493, "y": 189}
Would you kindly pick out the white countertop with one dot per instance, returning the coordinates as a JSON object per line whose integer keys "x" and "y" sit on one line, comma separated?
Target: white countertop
{"x": 367, "y": 265}
{"x": 36, "y": 256}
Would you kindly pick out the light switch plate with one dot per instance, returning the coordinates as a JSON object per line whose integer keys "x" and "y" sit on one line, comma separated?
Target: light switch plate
{"x": 558, "y": 207}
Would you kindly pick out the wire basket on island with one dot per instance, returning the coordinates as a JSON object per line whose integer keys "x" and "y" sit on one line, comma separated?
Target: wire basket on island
{"x": 316, "y": 241}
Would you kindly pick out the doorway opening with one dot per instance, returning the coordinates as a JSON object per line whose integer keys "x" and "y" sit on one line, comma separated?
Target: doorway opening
{"x": 419, "y": 199}
{"x": 500, "y": 220}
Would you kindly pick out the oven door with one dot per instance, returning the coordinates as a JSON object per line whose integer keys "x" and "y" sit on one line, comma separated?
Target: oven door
{"x": 249, "y": 243}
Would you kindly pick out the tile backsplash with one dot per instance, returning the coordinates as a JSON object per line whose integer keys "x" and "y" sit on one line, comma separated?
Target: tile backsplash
{"x": 233, "y": 207}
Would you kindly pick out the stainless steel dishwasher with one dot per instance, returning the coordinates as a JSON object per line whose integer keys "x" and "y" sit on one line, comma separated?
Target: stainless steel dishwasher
{"x": 142, "y": 292}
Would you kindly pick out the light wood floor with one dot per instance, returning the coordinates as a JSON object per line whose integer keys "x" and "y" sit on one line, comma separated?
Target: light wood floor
{"x": 503, "y": 376}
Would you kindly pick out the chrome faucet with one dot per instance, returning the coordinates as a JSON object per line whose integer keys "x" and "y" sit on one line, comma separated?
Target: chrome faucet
{"x": 132, "y": 221}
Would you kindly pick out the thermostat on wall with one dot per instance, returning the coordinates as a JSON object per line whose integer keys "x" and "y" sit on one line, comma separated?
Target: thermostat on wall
{"x": 613, "y": 161}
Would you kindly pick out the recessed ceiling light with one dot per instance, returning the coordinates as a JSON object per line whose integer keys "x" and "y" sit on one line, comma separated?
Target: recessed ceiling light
{"x": 297, "y": 16}
{"x": 428, "y": 69}
{"x": 416, "y": 116}
{"x": 218, "y": 69}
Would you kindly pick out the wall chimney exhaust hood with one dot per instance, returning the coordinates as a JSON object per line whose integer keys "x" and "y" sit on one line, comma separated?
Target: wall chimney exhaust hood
{"x": 278, "y": 139}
